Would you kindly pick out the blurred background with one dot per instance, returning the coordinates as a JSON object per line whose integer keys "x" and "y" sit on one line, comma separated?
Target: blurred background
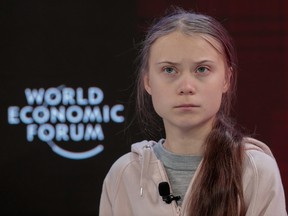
{"x": 67, "y": 72}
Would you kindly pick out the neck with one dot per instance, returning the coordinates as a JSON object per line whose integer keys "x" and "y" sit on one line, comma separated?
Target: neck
{"x": 184, "y": 146}
{"x": 189, "y": 142}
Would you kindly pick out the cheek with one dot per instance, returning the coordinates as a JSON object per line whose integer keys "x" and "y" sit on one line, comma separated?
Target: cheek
{"x": 157, "y": 106}
{"x": 213, "y": 97}
{"x": 157, "y": 97}
{"x": 158, "y": 90}
{"x": 159, "y": 101}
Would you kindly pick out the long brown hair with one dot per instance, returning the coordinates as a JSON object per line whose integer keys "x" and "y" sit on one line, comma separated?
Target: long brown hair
{"x": 217, "y": 190}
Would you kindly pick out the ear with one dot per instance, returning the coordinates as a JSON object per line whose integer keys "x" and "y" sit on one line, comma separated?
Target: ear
{"x": 227, "y": 80}
{"x": 147, "y": 83}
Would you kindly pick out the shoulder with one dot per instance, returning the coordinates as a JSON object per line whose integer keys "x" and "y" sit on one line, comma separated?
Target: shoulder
{"x": 262, "y": 184}
{"x": 126, "y": 170}
{"x": 129, "y": 162}
{"x": 259, "y": 158}
{"x": 115, "y": 177}
{"x": 121, "y": 164}
{"x": 261, "y": 175}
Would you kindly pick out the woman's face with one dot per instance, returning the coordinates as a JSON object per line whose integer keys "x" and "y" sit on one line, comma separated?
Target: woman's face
{"x": 186, "y": 78}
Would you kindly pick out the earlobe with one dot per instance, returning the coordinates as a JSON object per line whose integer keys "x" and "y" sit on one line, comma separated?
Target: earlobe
{"x": 147, "y": 83}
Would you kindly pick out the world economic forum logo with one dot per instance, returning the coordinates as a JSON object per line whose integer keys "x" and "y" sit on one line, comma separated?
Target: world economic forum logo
{"x": 63, "y": 114}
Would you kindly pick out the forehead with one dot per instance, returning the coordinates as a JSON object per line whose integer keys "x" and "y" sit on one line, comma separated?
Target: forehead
{"x": 178, "y": 43}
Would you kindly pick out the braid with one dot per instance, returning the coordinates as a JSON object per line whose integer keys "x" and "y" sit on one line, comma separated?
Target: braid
{"x": 218, "y": 187}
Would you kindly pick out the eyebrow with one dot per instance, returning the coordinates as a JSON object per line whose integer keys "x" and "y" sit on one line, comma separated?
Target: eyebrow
{"x": 167, "y": 62}
{"x": 176, "y": 63}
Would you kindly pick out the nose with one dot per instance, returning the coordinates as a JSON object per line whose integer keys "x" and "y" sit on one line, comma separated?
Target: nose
{"x": 186, "y": 86}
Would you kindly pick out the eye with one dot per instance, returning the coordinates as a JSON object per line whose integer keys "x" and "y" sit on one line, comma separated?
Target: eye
{"x": 202, "y": 70}
{"x": 169, "y": 70}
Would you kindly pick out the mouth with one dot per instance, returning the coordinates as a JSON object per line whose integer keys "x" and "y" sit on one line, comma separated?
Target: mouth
{"x": 187, "y": 106}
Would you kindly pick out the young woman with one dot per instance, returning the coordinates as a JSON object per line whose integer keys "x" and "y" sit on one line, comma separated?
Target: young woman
{"x": 185, "y": 86}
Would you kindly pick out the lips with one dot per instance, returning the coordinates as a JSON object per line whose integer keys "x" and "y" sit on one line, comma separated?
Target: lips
{"x": 186, "y": 106}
